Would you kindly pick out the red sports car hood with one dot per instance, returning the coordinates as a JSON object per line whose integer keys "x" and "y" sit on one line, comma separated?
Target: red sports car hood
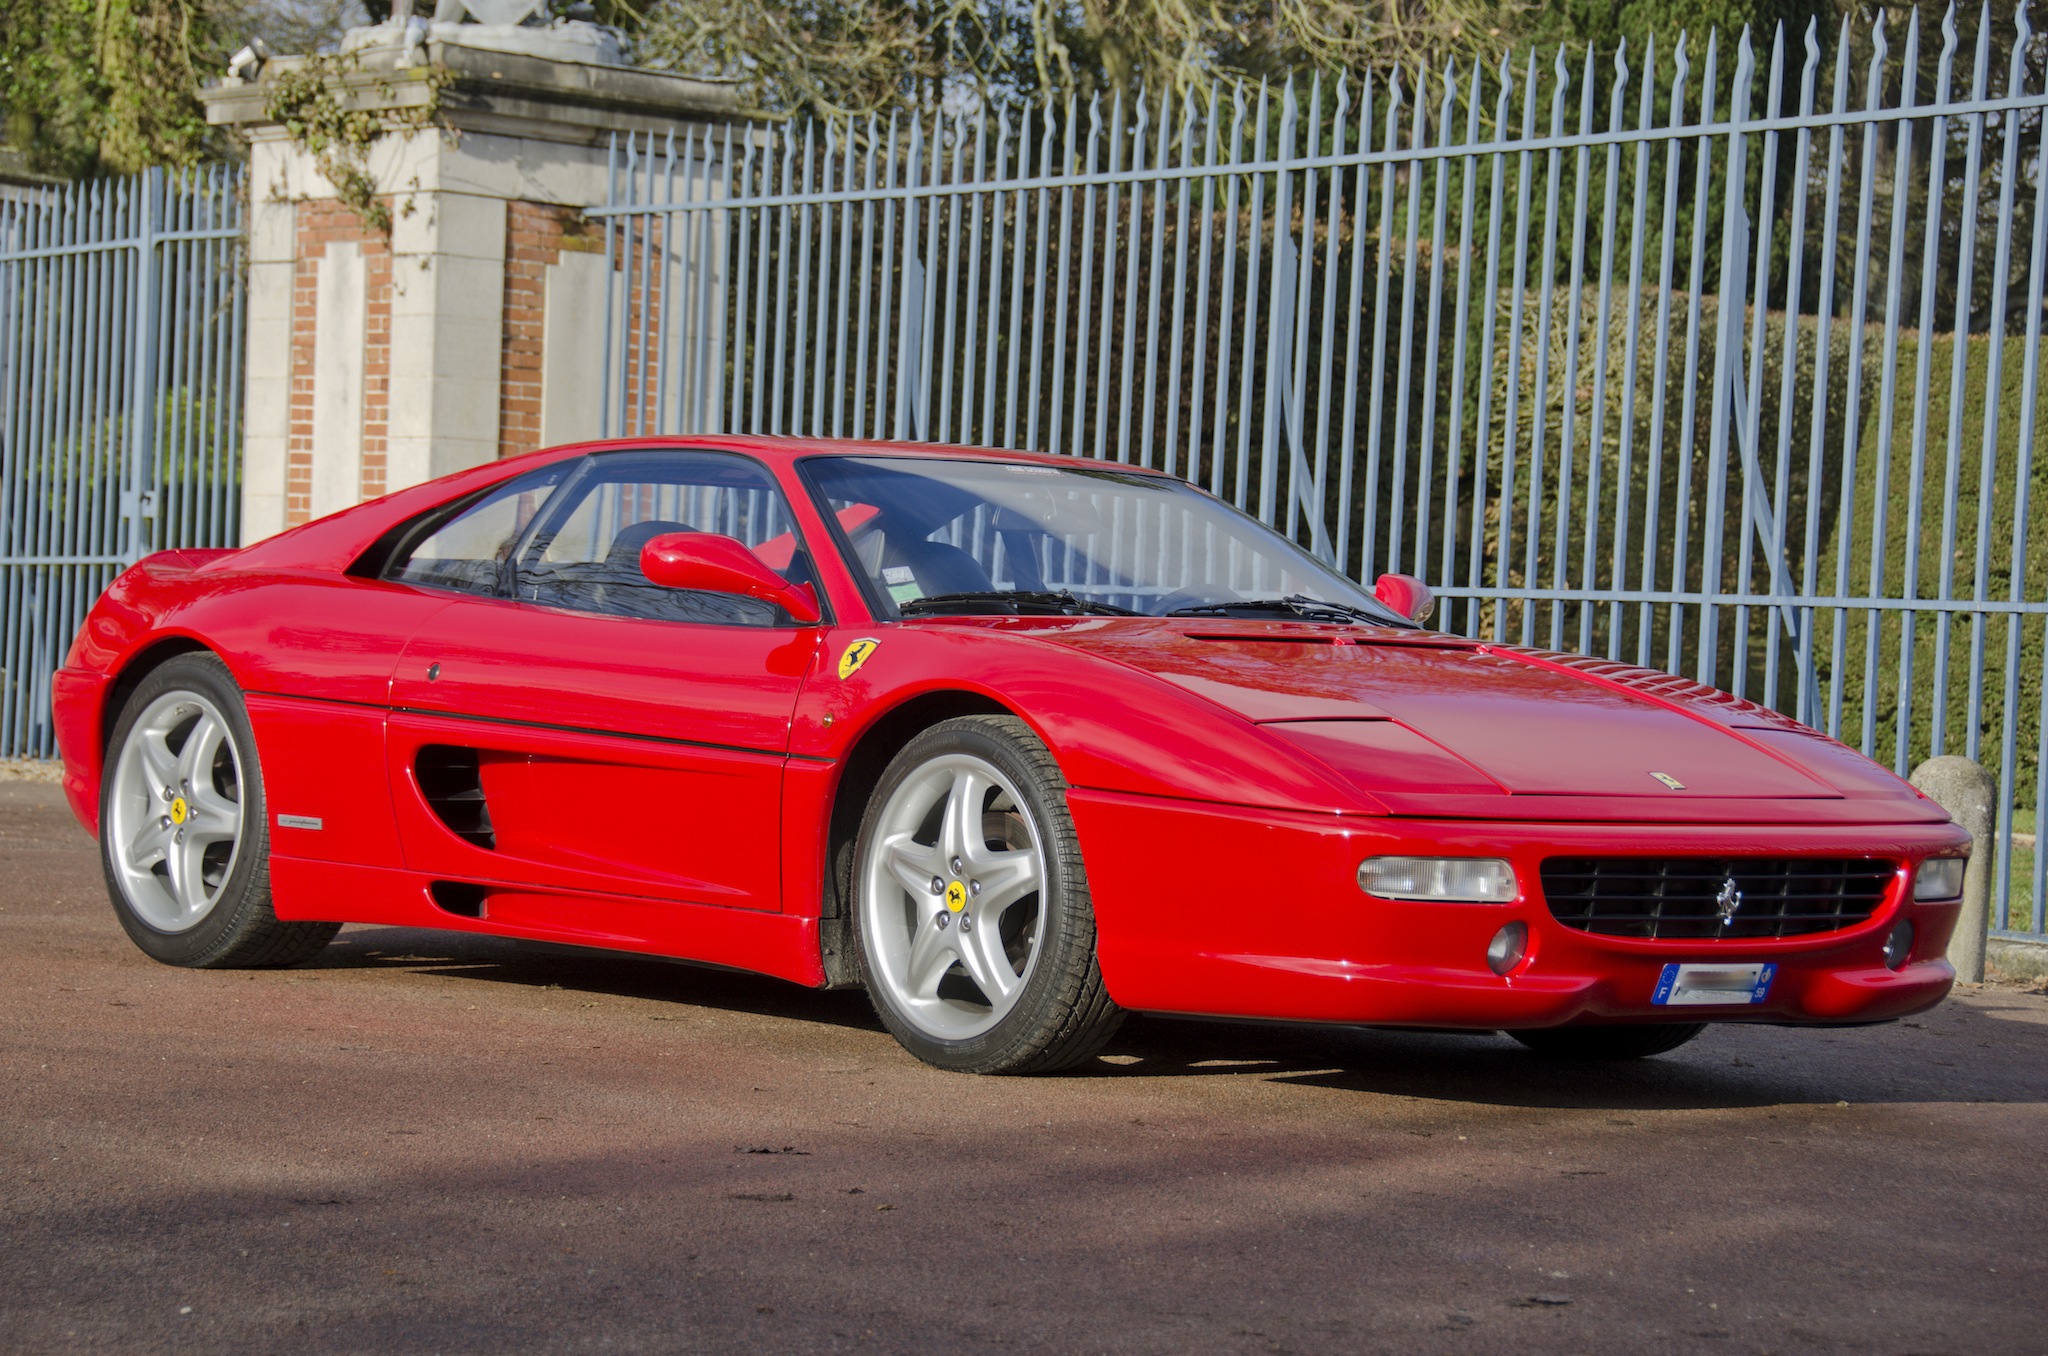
{"x": 1435, "y": 724}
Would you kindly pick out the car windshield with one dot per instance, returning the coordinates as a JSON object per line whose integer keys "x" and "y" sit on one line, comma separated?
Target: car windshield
{"x": 949, "y": 535}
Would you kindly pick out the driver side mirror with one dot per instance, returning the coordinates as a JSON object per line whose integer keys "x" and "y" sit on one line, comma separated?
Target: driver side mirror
{"x": 1407, "y": 595}
{"x": 709, "y": 563}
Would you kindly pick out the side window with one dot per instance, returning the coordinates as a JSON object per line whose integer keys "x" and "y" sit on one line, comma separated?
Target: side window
{"x": 585, "y": 555}
{"x": 467, "y": 551}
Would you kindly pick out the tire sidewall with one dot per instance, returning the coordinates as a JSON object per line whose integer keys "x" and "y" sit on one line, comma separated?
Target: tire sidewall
{"x": 1066, "y": 933}
{"x": 207, "y": 677}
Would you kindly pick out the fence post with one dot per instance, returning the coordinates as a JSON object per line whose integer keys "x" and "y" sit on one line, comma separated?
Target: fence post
{"x": 139, "y": 478}
{"x": 1967, "y": 792}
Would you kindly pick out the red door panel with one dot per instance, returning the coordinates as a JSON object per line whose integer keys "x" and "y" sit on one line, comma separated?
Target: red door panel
{"x": 730, "y": 686}
{"x": 612, "y": 753}
{"x": 601, "y": 813}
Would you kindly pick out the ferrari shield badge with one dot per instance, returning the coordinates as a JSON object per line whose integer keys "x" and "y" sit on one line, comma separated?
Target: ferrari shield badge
{"x": 1664, "y": 777}
{"x": 855, "y": 656}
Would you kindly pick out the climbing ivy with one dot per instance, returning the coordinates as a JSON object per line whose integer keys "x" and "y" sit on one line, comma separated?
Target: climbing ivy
{"x": 314, "y": 101}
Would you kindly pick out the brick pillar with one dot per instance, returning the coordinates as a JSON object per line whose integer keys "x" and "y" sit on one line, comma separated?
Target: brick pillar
{"x": 326, "y": 235}
{"x": 474, "y": 329}
{"x": 537, "y": 237}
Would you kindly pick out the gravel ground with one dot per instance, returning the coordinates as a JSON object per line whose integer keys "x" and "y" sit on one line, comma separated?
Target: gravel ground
{"x": 432, "y": 1144}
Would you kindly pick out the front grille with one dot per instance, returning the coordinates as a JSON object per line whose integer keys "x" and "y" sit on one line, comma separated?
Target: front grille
{"x": 1682, "y": 897}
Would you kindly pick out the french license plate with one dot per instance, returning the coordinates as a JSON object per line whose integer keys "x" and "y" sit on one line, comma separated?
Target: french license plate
{"x": 1705, "y": 985}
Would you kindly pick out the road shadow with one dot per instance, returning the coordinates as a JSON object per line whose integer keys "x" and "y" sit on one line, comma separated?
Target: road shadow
{"x": 586, "y": 970}
{"x": 1726, "y": 1068}
{"x": 1480, "y": 1067}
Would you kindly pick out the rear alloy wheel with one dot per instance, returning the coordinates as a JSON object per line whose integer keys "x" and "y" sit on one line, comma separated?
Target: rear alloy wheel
{"x": 183, "y": 839}
{"x": 1609, "y": 1042}
{"x": 976, "y": 934}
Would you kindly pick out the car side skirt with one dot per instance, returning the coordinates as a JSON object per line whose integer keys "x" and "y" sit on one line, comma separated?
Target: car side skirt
{"x": 782, "y": 945}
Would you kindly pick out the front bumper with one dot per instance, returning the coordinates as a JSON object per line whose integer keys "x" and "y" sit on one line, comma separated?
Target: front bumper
{"x": 1221, "y": 911}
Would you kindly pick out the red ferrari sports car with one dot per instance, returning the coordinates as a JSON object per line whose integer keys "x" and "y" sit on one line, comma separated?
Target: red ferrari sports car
{"x": 1019, "y": 743}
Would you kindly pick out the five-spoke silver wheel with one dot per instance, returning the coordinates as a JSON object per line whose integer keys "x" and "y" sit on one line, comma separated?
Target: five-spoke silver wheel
{"x": 951, "y": 891}
{"x": 175, "y": 811}
{"x": 971, "y": 913}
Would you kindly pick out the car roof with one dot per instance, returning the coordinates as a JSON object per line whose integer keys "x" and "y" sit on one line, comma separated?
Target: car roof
{"x": 786, "y": 449}
{"x": 336, "y": 541}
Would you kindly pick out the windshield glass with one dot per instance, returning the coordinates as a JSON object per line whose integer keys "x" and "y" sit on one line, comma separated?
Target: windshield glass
{"x": 937, "y": 535}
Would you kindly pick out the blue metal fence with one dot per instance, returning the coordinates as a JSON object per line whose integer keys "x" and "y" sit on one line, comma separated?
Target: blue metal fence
{"x": 1709, "y": 358}
{"x": 121, "y": 322}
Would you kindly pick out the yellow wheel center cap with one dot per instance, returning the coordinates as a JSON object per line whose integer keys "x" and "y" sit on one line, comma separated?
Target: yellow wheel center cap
{"x": 179, "y": 810}
{"x": 956, "y": 896}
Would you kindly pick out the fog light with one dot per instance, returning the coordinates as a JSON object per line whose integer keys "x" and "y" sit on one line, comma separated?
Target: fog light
{"x": 1457, "y": 880}
{"x": 1504, "y": 952}
{"x": 1939, "y": 878}
{"x": 1898, "y": 948}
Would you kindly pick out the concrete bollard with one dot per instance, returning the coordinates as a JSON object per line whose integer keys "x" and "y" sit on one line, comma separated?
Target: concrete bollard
{"x": 1970, "y": 796}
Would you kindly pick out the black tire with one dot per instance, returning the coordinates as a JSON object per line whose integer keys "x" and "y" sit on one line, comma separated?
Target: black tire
{"x": 1064, "y": 1015}
{"x": 1609, "y": 1042}
{"x": 241, "y": 930}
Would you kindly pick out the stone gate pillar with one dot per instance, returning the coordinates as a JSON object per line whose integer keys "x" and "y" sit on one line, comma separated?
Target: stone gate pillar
{"x": 471, "y": 327}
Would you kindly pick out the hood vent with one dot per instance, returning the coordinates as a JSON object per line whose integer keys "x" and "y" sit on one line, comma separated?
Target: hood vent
{"x": 1272, "y": 640}
{"x": 1360, "y": 639}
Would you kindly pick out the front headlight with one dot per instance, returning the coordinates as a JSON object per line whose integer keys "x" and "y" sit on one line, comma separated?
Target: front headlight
{"x": 1460, "y": 880}
{"x": 1939, "y": 878}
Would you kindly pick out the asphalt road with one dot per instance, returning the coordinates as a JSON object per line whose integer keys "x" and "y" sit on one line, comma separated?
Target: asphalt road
{"x": 427, "y": 1144}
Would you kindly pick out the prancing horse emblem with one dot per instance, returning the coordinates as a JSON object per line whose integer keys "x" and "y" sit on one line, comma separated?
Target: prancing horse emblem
{"x": 1728, "y": 901}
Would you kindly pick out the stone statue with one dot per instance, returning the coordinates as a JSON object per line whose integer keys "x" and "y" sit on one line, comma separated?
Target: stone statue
{"x": 516, "y": 26}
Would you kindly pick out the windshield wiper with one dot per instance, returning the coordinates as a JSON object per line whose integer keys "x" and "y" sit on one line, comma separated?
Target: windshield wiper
{"x": 1294, "y": 604}
{"x": 1012, "y": 602}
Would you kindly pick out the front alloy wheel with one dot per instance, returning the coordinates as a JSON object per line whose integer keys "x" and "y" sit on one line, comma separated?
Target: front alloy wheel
{"x": 976, "y": 932}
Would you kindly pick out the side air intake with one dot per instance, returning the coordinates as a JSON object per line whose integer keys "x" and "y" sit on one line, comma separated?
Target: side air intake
{"x": 458, "y": 897}
{"x": 454, "y": 790}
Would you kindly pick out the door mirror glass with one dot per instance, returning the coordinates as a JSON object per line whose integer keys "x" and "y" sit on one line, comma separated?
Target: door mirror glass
{"x": 1407, "y": 595}
{"x": 706, "y": 562}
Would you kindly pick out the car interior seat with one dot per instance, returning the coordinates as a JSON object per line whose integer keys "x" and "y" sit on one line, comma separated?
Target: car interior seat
{"x": 622, "y": 561}
{"x": 937, "y": 567}
{"x": 613, "y": 584}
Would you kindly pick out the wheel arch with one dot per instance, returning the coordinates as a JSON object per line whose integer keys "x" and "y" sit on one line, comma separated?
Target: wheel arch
{"x": 865, "y": 763}
{"x": 131, "y": 675}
